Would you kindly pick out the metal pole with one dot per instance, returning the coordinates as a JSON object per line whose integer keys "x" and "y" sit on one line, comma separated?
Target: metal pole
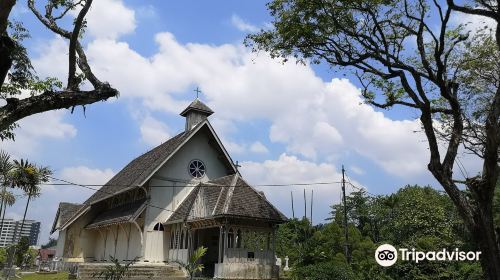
{"x": 312, "y": 195}
{"x": 305, "y": 205}
{"x": 293, "y": 211}
{"x": 345, "y": 219}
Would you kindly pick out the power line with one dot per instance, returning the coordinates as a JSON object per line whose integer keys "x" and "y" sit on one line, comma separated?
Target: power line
{"x": 356, "y": 187}
{"x": 203, "y": 186}
{"x": 91, "y": 187}
{"x": 99, "y": 190}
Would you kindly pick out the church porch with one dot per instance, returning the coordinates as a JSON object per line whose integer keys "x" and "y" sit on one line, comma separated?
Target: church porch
{"x": 236, "y": 249}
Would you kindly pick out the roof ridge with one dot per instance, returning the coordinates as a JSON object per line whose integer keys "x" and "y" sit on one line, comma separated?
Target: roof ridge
{"x": 229, "y": 194}
{"x": 264, "y": 198}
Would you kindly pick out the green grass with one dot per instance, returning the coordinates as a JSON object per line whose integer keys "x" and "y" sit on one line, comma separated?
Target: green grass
{"x": 34, "y": 276}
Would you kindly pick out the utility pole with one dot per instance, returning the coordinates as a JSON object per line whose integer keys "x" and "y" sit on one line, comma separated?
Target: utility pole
{"x": 345, "y": 219}
{"x": 305, "y": 205}
{"x": 312, "y": 195}
{"x": 293, "y": 211}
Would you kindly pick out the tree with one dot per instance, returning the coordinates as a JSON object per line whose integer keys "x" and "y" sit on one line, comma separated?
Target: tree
{"x": 485, "y": 8}
{"x": 115, "y": 271}
{"x": 51, "y": 243}
{"x": 17, "y": 74}
{"x": 22, "y": 249}
{"x": 401, "y": 60}
{"x": 7, "y": 198}
{"x": 28, "y": 178}
{"x": 193, "y": 265}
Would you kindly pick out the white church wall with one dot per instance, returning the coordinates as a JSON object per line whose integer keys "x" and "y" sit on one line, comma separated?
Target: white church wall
{"x": 168, "y": 185}
{"x": 79, "y": 242}
{"x": 123, "y": 243}
{"x": 60, "y": 243}
{"x": 110, "y": 242}
{"x": 99, "y": 248}
{"x": 135, "y": 244}
{"x": 154, "y": 247}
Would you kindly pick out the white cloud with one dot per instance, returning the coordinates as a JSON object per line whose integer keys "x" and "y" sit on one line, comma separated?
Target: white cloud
{"x": 289, "y": 169}
{"x": 153, "y": 131}
{"x": 35, "y": 129}
{"x": 312, "y": 118}
{"x": 243, "y": 25}
{"x": 110, "y": 19}
{"x": 13, "y": 215}
{"x": 357, "y": 170}
{"x": 52, "y": 60}
{"x": 258, "y": 148}
{"x": 85, "y": 175}
{"x": 473, "y": 22}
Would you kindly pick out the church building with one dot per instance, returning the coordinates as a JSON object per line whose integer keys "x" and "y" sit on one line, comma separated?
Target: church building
{"x": 181, "y": 195}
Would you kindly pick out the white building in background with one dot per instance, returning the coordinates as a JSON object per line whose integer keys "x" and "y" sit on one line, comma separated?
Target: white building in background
{"x": 11, "y": 231}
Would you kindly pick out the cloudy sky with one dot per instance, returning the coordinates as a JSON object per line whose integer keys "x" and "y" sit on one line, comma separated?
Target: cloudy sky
{"x": 284, "y": 123}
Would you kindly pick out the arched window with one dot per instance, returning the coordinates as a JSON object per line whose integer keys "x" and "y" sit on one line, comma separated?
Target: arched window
{"x": 158, "y": 227}
{"x": 238, "y": 239}
{"x": 230, "y": 238}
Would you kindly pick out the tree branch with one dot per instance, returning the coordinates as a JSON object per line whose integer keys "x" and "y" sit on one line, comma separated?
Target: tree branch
{"x": 73, "y": 41}
{"x": 17, "y": 109}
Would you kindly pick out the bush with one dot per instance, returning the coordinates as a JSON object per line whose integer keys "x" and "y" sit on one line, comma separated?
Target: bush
{"x": 324, "y": 271}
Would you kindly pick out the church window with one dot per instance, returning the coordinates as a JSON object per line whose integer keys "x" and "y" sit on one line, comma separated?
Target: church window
{"x": 238, "y": 239}
{"x": 230, "y": 238}
{"x": 158, "y": 227}
{"x": 197, "y": 168}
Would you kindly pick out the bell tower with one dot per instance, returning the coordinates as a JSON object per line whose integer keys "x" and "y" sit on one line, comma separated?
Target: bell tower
{"x": 195, "y": 113}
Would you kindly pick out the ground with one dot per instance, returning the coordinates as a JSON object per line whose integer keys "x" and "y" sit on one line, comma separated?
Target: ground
{"x": 35, "y": 276}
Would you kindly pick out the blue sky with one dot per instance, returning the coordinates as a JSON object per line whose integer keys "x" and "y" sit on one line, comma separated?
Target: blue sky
{"x": 285, "y": 123}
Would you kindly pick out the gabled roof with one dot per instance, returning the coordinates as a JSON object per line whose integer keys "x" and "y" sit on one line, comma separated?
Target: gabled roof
{"x": 197, "y": 105}
{"x": 64, "y": 213}
{"x": 141, "y": 169}
{"x": 225, "y": 196}
{"x": 134, "y": 173}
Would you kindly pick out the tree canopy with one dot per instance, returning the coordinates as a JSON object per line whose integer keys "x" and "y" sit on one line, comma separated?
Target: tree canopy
{"x": 409, "y": 53}
{"x": 18, "y": 77}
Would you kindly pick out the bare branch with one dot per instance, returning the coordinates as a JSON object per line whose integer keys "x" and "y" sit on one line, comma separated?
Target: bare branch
{"x": 17, "y": 109}
{"x": 72, "y": 83}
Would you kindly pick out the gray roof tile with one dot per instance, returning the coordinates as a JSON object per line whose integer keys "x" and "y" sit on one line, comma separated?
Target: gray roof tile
{"x": 64, "y": 213}
{"x": 138, "y": 170}
{"x": 197, "y": 105}
{"x": 207, "y": 200}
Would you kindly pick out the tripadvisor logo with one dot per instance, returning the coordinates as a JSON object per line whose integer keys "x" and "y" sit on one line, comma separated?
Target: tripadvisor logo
{"x": 386, "y": 255}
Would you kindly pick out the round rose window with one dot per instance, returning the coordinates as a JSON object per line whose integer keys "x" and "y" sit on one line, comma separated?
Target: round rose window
{"x": 197, "y": 168}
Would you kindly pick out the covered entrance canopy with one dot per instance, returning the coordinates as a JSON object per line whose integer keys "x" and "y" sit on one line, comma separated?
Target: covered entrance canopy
{"x": 234, "y": 221}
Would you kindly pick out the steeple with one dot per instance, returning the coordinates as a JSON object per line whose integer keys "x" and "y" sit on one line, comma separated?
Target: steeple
{"x": 195, "y": 113}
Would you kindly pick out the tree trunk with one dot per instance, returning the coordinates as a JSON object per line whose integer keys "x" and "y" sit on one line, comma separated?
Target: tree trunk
{"x": 6, "y": 43}
{"x": 6, "y": 49}
{"x": 24, "y": 217}
{"x": 2, "y": 206}
{"x": 3, "y": 214}
{"x": 483, "y": 233}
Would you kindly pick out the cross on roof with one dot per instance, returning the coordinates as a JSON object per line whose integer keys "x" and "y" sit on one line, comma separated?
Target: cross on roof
{"x": 198, "y": 91}
{"x": 237, "y": 165}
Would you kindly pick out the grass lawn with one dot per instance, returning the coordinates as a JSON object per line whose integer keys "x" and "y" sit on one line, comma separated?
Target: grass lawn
{"x": 34, "y": 276}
